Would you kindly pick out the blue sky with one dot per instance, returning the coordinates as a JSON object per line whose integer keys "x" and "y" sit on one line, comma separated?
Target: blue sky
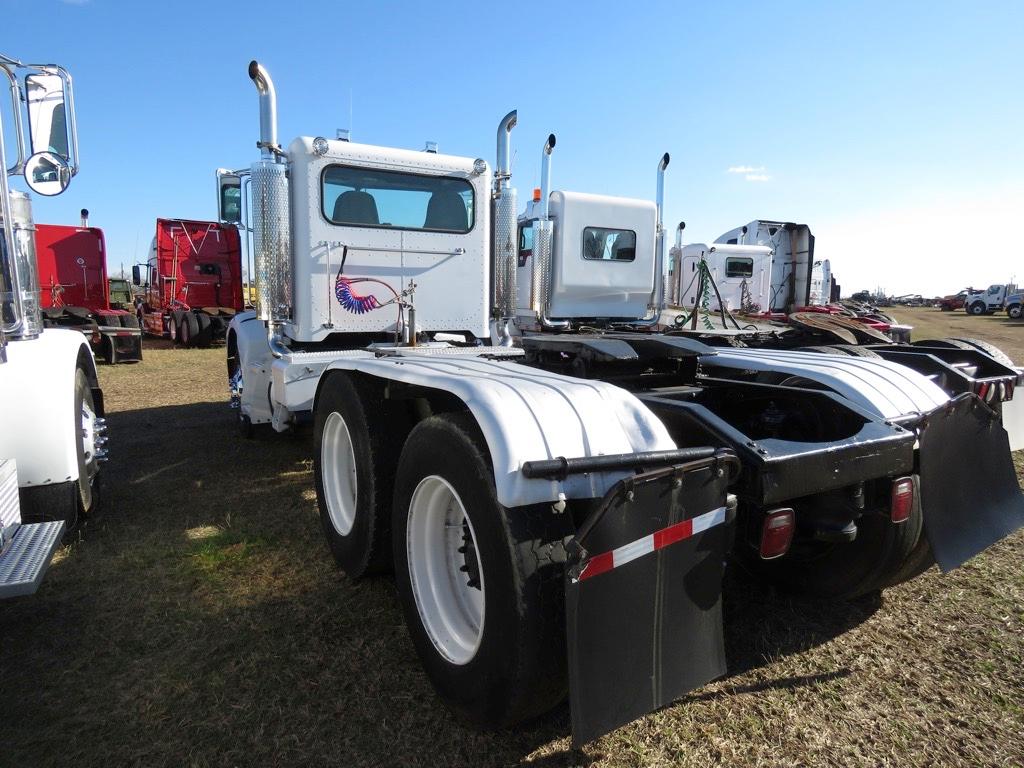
{"x": 896, "y": 130}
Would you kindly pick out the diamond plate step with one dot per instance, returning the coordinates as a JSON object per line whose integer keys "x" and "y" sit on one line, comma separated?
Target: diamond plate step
{"x": 25, "y": 562}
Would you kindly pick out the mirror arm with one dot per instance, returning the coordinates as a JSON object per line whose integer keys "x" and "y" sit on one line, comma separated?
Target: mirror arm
{"x": 19, "y": 164}
{"x": 72, "y": 122}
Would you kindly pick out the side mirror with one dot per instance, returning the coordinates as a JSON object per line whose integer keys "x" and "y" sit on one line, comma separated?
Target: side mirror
{"x": 137, "y": 274}
{"x": 229, "y": 197}
{"x": 49, "y": 130}
{"x": 47, "y": 173}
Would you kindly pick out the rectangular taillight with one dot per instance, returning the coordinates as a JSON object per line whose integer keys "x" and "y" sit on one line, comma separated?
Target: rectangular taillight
{"x": 777, "y": 533}
{"x": 902, "y": 501}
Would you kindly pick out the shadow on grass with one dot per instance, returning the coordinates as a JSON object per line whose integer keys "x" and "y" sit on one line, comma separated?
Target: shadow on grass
{"x": 202, "y": 621}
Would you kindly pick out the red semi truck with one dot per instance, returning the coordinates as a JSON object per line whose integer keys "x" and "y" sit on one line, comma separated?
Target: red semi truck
{"x": 75, "y": 291}
{"x": 192, "y": 281}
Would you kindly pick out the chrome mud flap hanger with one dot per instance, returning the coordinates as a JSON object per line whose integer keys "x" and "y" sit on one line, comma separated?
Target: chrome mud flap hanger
{"x": 643, "y": 588}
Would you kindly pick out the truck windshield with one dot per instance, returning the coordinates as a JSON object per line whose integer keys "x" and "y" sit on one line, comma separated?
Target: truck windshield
{"x": 600, "y": 244}
{"x": 370, "y": 197}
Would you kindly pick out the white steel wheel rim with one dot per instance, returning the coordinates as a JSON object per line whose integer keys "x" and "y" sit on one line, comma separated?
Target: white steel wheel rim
{"x": 451, "y": 611}
{"x": 338, "y": 469}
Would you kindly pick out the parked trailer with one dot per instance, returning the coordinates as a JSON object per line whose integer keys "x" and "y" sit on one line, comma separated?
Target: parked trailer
{"x": 76, "y": 292}
{"x": 52, "y": 431}
{"x": 554, "y": 482}
{"x": 192, "y": 282}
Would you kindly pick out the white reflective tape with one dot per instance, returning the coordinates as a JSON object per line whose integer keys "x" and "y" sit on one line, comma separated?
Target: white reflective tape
{"x": 629, "y": 552}
{"x": 708, "y": 520}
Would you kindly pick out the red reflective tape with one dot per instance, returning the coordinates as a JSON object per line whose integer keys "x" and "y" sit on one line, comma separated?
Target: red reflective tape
{"x": 673, "y": 533}
{"x": 598, "y": 564}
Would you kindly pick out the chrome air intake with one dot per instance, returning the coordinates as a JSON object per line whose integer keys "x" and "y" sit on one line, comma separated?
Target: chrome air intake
{"x": 506, "y": 239}
{"x": 271, "y": 224}
{"x": 20, "y": 313}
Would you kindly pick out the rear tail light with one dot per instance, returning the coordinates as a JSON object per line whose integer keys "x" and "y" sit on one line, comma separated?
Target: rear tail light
{"x": 902, "y": 502}
{"x": 777, "y": 533}
{"x": 983, "y": 390}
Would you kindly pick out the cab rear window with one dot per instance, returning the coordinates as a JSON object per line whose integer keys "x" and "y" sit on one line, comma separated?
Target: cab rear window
{"x": 370, "y": 197}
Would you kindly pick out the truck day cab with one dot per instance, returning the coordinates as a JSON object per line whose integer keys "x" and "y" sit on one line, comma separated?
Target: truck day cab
{"x": 52, "y": 431}
{"x": 555, "y": 483}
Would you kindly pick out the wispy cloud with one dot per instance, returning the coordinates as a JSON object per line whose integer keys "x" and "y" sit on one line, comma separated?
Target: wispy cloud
{"x": 749, "y": 172}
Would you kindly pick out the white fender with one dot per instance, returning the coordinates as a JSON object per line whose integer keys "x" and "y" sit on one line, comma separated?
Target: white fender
{"x": 881, "y": 387}
{"x": 527, "y": 414}
{"x": 254, "y": 355}
{"x": 37, "y": 403}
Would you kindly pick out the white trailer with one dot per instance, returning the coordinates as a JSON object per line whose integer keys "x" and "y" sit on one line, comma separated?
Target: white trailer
{"x": 52, "y": 439}
{"x": 553, "y": 482}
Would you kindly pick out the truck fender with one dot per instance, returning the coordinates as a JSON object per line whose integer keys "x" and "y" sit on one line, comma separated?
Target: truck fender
{"x": 247, "y": 339}
{"x": 37, "y": 386}
{"x": 526, "y": 414}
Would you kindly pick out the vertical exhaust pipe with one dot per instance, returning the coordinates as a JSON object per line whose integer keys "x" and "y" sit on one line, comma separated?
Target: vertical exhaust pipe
{"x": 502, "y": 171}
{"x": 545, "y": 176}
{"x": 268, "y": 109}
{"x": 271, "y": 223}
{"x": 657, "y": 301}
{"x": 504, "y": 248}
{"x": 543, "y": 246}
{"x": 85, "y": 217}
{"x": 675, "y": 256}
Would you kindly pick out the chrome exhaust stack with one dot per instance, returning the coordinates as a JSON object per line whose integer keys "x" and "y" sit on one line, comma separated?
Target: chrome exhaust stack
{"x": 268, "y": 109}
{"x": 657, "y": 302}
{"x": 675, "y": 256}
{"x": 271, "y": 222}
{"x": 540, "y": 294}
{"x": 506, "y": 239}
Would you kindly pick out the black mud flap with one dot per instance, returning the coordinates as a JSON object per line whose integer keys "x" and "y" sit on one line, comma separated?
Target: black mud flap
{"x": 643, "y": 593}
{"x": 969, "y": 492}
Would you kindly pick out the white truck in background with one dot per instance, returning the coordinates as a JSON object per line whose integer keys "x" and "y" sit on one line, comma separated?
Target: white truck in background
{"x": 52, "y": 439}
{"x": 496, "y": 418}
{"x": 991, "y": 300}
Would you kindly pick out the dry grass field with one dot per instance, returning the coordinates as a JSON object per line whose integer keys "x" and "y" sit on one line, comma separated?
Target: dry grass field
{"x": 199, "y": 621}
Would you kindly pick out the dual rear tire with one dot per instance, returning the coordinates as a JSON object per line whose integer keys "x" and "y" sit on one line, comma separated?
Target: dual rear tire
{"x": 480, "y": 585}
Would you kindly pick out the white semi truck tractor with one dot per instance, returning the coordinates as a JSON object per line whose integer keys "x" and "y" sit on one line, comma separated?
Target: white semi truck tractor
{"x": 52, "y": 431}
{"x": 556, "y": 485}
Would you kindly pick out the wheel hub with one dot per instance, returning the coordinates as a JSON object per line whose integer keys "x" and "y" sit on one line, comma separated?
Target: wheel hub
{"x": 445, "y": 570}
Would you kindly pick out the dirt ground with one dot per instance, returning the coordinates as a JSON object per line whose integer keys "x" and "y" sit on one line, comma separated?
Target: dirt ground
{"x": 200, "y": 621}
